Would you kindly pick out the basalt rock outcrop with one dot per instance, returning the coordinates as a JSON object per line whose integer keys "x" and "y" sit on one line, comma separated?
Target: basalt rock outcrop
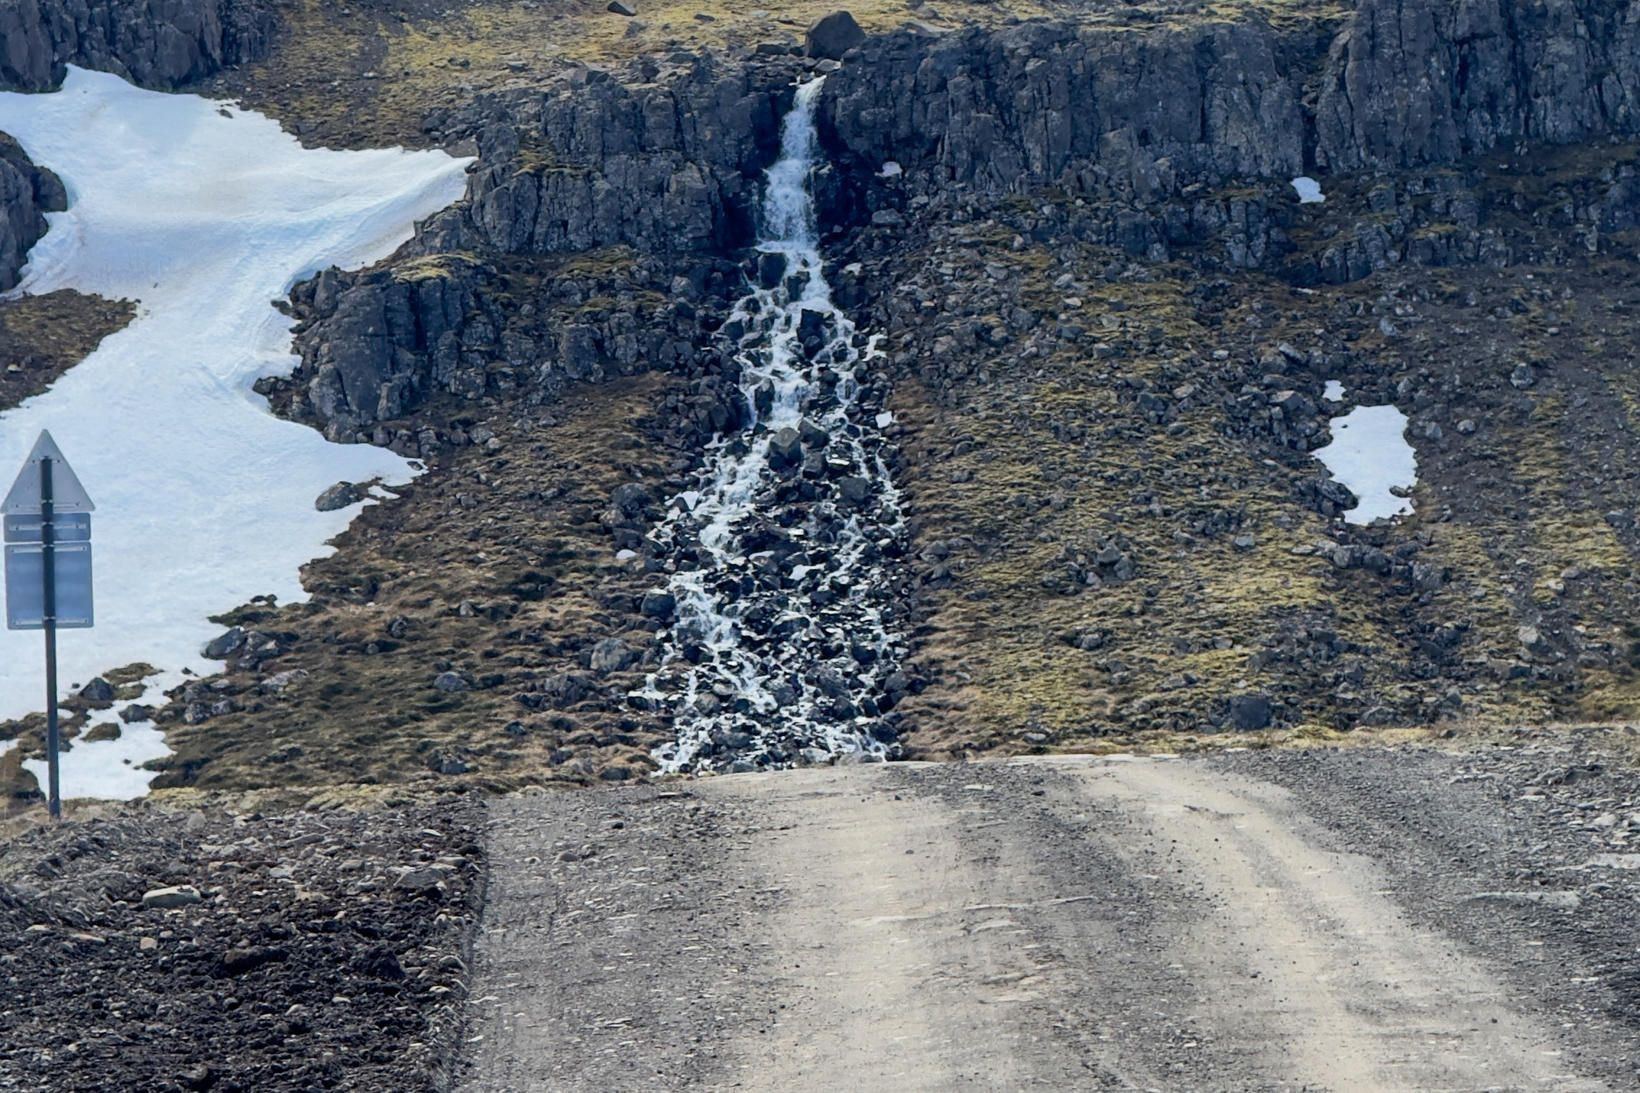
{"x": 377, "y": 346}
{"x": 666, "y": 166}
{"x": 664, "y": 172}
{"x": 27, "y": 193}
{"x": 1143, "y": 115}
{"x": 155, "y": 43}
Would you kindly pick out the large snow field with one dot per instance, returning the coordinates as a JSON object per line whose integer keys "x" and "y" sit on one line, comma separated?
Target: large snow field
{"x": 1369, "y": 453}
{"x": 205, "y": 214}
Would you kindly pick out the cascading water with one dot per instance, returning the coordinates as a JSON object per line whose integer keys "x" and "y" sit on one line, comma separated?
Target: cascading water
{"x": 783, "y": 645}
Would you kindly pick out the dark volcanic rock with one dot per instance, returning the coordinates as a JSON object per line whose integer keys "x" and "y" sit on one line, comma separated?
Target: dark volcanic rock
{"x": 834, "y": 36}
{"x": 27, "y": 193}
{"x": 155, "y": 43}
{"x": 665, "y": 167}
{"x": 288, "y": 960}
{"x": 1404, "y": 83}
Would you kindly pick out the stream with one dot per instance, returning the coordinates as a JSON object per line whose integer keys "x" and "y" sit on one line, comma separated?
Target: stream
{"x": 784, "y": 649}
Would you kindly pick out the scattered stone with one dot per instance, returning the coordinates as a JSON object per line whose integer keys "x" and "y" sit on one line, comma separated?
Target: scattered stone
{"x": 1556, "y": 900}
{"x": 610, "y": 655}
{"x": 339, "y": 496}
{"x": 451, "y": 682}
{"x": 1249, "y": 713}
{"x": 99, "y": 691}
{"x": 617, "y": 7}
{"x": 166, "y": 899}
{"x": 225, "y": 646}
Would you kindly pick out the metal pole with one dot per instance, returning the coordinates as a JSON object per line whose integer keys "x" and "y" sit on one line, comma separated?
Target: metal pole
{"x": 48, "y": 551}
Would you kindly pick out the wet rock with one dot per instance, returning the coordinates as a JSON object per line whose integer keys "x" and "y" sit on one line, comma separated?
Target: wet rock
{"x": 785, "y": 449}
{"x": 771, "y": 269}
{"x": 658, "y": 605}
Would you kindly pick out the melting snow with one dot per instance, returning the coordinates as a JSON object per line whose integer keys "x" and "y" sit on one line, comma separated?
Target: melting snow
{"x": 1369, "y": 453}
{"x": 1334, "y": 391}
{"x": 1309, "y": 190}
{"x": 205, "y": 214}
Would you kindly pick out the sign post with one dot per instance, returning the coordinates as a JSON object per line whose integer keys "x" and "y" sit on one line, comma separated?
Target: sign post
{"x": 48, "y": 569}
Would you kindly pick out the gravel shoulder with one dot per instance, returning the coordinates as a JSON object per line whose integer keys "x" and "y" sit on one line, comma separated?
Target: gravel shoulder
{"x": 1270, "y": 921}
{"x": 235, "y": 951}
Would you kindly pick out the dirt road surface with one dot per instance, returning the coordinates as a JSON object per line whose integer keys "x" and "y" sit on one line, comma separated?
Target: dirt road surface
{"x": 1327, "y": 920}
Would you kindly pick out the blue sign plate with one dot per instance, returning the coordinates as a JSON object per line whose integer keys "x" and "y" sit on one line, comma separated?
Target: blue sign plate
{"x": 25, "y": 586}
{"x": 69, "y": 527}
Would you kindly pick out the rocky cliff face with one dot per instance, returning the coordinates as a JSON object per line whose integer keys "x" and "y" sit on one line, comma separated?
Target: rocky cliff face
{"x": 1105, "y": 407}
{"x": 156, "y": 43}
{"x": 665, "y": 169}
{"x": 667, "y": 166}
{"x": 1113, "y": 112}
{"x": 27, "y": 193}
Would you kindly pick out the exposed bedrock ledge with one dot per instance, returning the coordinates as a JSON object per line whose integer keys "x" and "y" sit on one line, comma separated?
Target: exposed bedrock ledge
{"x": 1124, "y": 113}
{"x": 669, "y": 166}
{"x": 27, "y": 193}
{"x": 376, "y": 346}
{"x": 162, "y": 44}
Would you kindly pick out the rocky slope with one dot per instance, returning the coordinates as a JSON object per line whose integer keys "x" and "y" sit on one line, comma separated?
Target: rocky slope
{"x": 155, "y": 43}
{"x": 27, "y": 193}
{"x": 1110, "y": 328}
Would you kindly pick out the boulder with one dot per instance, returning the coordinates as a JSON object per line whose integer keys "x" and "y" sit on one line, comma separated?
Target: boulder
{"x": 1250, "y": 712}
{"x": 98, "y": 691}
{"x": 165, "y": 899}
{"x": 833, "y": 36}
{"x": 610, "y": 655}
{"x": 339, "y": 496}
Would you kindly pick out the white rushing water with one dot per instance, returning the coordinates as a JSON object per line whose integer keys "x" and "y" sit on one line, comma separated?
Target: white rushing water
{"x": 783, "y": 635}
{"x": 204, "y": 214}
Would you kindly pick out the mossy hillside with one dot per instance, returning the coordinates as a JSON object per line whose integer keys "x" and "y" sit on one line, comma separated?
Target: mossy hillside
{"x": 379, "y": 73}
{"x": 41, "y": 337}
{"x": 1014, "y": 453}
{"x": 493, "y": 567}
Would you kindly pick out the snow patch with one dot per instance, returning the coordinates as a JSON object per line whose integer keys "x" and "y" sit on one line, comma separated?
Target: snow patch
{"x": 1334, "y": 391}
{"x": 1369, "y": 453}
{"x": 205, "y": 214}
{"x": 891, "y": 170}
{"x": 1309, "y": 190}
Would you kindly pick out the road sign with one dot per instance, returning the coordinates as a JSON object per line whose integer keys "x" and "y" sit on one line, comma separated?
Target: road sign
{"x": 25, "y": 586}
{"x": 66, "y": 492}
{"x": 74, "y": 527}
{"x": 48, "y": 569}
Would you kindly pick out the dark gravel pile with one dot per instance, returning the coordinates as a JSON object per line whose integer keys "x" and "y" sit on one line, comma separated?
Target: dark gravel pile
{"x": 193, "y": 951}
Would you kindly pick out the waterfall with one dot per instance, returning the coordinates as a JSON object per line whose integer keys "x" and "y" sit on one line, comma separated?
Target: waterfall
{"x": 784, "y": 637}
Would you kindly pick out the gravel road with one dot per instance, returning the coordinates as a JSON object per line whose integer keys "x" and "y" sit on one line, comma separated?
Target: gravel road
{"x": 1356, "y": 919}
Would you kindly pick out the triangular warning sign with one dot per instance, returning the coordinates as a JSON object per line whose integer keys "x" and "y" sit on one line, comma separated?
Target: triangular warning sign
{"x": 66, "y": 492}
